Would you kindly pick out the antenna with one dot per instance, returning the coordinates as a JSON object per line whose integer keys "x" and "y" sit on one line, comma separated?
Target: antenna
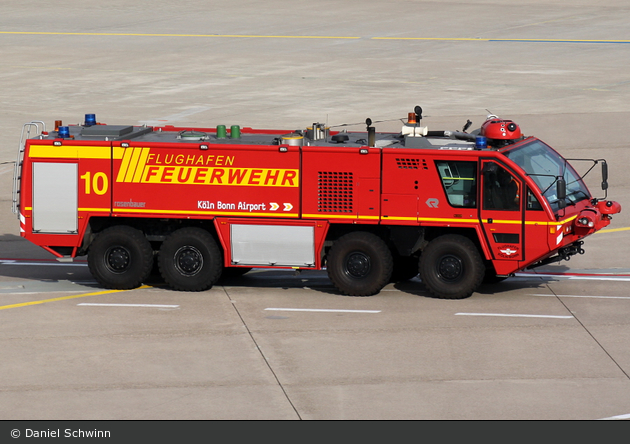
{"x": 491, "y": 115}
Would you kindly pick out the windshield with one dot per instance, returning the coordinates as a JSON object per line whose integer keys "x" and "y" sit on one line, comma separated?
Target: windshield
{"x": 543, "y": 165}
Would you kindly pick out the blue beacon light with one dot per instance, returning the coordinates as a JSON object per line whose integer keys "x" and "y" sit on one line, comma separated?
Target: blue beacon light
{"x": 90, "y": 119}
{"x": 64, "y": 132}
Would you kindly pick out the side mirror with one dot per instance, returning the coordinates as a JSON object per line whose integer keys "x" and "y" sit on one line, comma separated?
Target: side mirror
{"x": 561, "y": 192}
{"x": 604, "y": 175}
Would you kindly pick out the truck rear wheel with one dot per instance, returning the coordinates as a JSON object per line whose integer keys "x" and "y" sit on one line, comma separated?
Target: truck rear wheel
{"x": 190, "y": 260}
{"x": 451, "y": 267}
{"x": 120, "y": 257}
{"x": 359, "y": 264}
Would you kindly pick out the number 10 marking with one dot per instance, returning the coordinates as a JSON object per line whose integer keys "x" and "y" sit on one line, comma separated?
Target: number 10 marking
{"x": 99, "y": 183}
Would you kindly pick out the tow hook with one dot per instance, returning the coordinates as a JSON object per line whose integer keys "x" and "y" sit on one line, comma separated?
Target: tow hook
{"x": 565, "y": 253}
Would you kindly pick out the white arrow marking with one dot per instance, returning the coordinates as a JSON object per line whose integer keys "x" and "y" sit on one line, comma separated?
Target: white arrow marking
{"x": 274, "y": 206}
{"x": 288, "y": 207}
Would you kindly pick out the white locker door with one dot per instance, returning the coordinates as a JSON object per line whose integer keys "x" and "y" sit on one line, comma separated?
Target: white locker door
{"x": 55, "y": 197}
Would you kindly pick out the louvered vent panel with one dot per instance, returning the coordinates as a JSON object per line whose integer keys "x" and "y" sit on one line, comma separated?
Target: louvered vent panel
{"x": 335, "y": 192}
{"x": 411, "y": 164}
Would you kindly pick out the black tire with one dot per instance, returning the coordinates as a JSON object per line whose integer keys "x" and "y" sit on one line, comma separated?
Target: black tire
{"x": 359, "y": 264}
{"x": 190, "y": 260}
{"x": 120, "y": 258}
{"x": 451, "y": 267}
{"x": 405, "y": 268}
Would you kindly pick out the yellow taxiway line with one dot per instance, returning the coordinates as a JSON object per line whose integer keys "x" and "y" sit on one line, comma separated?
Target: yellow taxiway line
{"x": 65, "y": 298}
{"x": 451, "y": 39}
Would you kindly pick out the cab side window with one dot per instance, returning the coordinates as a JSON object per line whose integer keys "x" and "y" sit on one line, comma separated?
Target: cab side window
{"x": 501, "y": 190}
{"x": 459, "y": 179}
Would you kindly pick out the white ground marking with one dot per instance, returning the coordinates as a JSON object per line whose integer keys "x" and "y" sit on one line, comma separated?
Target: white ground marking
{"x": 576, "y": 277}
{"x": 325, "y": 310}
{"x": 44, "y": 264}
{"x": 580, "y": 296}
{"x": 627, "y": 416}
{"x": 128, "y": 305}
{"x": 514, "y": 315}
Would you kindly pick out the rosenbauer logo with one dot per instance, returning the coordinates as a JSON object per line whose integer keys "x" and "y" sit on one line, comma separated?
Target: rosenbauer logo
{"x": 139, "y": 165}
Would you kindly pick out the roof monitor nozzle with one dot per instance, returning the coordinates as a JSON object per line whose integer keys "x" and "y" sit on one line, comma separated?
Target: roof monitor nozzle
{"x": 368, "y": 122}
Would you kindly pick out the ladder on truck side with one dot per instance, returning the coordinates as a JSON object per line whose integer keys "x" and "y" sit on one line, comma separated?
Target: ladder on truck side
{"x": 17, "y": 168}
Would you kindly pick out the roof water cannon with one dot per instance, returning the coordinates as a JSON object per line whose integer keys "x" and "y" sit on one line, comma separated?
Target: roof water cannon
{"x": 500, "y": 132}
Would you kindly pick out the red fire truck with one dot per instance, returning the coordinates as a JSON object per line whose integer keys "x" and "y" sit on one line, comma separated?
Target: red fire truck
{"x": 370, "y": 207}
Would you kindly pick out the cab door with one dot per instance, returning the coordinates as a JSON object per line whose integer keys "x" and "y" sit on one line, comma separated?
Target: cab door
{"x": 501, "y": 212}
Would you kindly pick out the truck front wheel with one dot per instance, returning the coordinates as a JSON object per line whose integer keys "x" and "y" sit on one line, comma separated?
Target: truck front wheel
{"x": 359, "y": 264}
{"x": 451, "y": 267}
{"x": 190, "y": 260}
{"x": 120, "y": 258}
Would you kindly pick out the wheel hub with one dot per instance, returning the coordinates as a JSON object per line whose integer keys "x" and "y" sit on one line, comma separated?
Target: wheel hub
{"x": 450, "y": 267}
{"x": 188, "y": 260}
{"x": 358, "y": 265}
{"x": 117, "y": 259}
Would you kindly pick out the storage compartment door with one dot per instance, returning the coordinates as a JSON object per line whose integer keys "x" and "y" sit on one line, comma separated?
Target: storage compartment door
{"x": 273, "y": 245}
{"x": 55, "y": 197}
